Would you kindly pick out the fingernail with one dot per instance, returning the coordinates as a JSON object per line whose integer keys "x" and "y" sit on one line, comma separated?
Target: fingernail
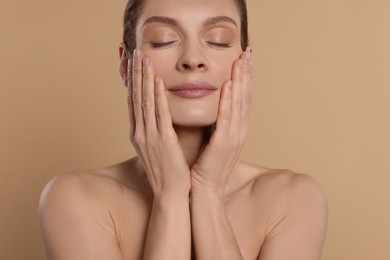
{"x": 145, "y": 61}
{"x": 136, "y": 53}
{"x": 128, "y": 64}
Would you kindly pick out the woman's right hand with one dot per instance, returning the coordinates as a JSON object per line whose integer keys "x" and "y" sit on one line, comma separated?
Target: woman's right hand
{"x": 151, "y": 131}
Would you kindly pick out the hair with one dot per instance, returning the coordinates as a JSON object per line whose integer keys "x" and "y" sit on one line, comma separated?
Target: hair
{"x": 134, "y": 9}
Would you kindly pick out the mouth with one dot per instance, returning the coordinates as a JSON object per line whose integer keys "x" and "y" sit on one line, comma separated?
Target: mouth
{"x": 193, "y": 90}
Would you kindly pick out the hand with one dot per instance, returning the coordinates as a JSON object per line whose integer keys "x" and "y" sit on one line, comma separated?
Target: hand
{"x": 216, "y": 162}
{"x": 151, "y": 130}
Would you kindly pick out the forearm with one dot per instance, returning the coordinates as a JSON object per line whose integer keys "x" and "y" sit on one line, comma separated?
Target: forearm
{"x": 169, "y": 230}
{"x": 212, "y": 233}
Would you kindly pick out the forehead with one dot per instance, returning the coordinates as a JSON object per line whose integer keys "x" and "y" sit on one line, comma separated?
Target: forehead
{"x": 189, "y": 12}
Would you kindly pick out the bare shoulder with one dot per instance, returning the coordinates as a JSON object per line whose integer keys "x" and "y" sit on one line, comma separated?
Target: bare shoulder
{"x": 80, "y": 186}
{"x": 77, "y": 212}
{"x": 76, "y": 196}
{"x": 102, "y": 184}
{"x": 287, "y": 182}
{"x": 67, "y": 184}
{"x": 280, "y": 183}
{"x": 296, "y": 208}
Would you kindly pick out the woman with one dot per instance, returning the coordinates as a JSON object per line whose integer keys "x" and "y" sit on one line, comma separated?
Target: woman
{"x": 186, "y": 195}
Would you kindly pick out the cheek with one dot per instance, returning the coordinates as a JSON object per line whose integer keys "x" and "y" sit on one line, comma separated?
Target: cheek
{"x": 162, "y": 65}
{"x": 225, "y": 65}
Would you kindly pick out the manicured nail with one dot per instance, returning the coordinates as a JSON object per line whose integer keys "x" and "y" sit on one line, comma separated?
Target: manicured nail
{"x": 145, "y": 61}
{"x": 136, "y": 53}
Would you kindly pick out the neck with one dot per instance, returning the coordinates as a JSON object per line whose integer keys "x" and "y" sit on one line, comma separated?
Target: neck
{"x": 192, "y": 140}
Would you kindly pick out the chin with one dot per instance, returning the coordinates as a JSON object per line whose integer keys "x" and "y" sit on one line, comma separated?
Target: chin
{"x": 194, "y": 112}
{"x": 194, "y": 118}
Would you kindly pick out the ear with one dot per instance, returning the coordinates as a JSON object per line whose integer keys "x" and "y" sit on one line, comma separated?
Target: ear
{"x": 123, "y": 56}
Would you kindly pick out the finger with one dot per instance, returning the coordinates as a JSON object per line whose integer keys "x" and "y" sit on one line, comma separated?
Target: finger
{"x": 130, "y": 99}
{"x": 163, "y": 115}
{"x": 247, "y": 86}
{"x": 148, "y": 106}
{"x": 247, "y": 95}
{"x": 237, "y": 90}
{"x": 137, "y": 91}
{"x": 225, "y": 107}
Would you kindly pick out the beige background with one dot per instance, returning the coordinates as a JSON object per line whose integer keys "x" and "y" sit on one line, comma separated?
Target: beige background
{"x": 321, "y": 104}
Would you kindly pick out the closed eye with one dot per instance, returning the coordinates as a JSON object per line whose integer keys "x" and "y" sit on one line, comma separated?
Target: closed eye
{"x": 161, "y": 44}
{"x": 220, "y": 45}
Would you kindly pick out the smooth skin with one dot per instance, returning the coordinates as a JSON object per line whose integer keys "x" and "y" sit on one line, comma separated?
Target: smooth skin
{"x": 185, "y": 195}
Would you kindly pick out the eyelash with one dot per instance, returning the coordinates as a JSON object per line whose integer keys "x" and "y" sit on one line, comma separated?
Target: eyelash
{"x": 160, "y": 44}
{"x": 156, "y": 45}
{"x": 220, "y": 45}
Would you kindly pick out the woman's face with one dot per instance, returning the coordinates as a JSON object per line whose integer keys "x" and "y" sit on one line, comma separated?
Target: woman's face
{"x": 192, "y": 44}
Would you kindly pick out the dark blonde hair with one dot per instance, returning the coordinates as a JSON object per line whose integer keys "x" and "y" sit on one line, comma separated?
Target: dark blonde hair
{"x": 134, "y": 9}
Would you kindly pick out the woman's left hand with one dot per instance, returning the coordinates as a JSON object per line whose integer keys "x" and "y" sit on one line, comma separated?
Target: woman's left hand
{"x": 217, "y": 160}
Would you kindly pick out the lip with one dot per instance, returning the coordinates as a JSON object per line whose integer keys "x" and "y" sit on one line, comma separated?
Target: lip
{"x": 193, "y": 90}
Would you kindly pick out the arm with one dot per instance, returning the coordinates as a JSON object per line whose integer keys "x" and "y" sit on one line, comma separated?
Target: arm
{"x": 212, "y": 232}
{"x": 159, "y": 151}
{"x": 169, "y": 231}
{"x": 299, "y": 231}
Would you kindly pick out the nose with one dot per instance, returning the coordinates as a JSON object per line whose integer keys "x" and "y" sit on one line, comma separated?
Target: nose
{"x": 192, "y": 59}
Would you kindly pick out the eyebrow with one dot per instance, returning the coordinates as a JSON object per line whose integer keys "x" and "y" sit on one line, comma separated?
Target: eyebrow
{"x": 160, "y": 19}
{"x": 208, "y": 22}
{"x": 220, "y": 19}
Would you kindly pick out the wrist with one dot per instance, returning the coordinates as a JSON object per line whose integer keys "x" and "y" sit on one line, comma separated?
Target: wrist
{"x": 207, "y": 187}
{"x": 171, "y": 197}
{"x": 206, "y": 193}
